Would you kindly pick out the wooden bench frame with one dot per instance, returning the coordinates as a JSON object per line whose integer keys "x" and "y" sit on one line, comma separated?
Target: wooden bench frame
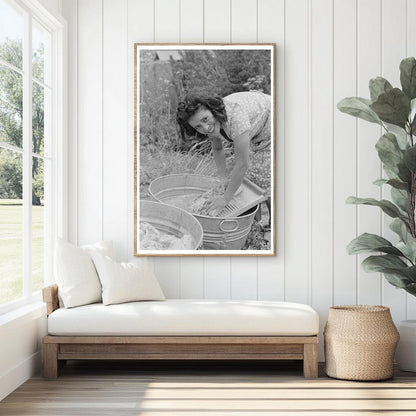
{"x": 58, "y": 349}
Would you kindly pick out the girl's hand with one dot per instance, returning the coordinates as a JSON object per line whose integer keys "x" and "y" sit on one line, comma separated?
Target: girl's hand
{"x": 217, "y": 204}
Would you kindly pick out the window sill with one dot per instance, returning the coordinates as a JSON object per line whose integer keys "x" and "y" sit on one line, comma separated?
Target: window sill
{"x": 35, "y": 307}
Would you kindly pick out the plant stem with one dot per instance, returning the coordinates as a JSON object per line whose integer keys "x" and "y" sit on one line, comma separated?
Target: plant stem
{"x": 412, "y": 196}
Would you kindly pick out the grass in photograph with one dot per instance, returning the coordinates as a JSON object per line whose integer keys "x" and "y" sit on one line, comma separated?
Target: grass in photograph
{"x": 162, "y": 162}
{"x": 159, "y": 162}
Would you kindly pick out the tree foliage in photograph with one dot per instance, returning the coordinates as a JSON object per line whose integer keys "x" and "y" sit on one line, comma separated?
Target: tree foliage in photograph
{"x": 11, "y": 116}
{"x": 221, "y": 72}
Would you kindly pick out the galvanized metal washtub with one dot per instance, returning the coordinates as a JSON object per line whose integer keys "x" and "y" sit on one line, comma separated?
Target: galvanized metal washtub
{"x": 171, "y": 220}
{"x": 219, "y": 233}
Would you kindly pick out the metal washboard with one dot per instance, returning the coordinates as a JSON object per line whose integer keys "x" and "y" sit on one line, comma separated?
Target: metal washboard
{"x": 248, "y": 196}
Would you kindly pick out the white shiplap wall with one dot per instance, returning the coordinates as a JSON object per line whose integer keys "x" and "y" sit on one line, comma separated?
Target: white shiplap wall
{"x": 326, "y": 50}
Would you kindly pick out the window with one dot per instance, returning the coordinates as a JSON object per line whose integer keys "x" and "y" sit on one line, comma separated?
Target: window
{"x": 31, "y": 142}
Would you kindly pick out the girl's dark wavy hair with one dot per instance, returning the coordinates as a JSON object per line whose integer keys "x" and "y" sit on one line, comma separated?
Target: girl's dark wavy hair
{"x": 191, "y": 103}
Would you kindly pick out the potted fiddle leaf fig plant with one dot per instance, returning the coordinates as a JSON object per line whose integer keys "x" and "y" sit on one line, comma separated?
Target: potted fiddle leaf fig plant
{"x": 394, "y": 109}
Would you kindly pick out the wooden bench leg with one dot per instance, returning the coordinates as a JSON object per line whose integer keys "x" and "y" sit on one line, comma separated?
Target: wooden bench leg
{"x": 310, "y": 360}
{"x": 50, "y": 360}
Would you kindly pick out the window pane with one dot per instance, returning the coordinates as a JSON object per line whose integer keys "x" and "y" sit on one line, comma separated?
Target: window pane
{"x": 38, "y": 118}
{"x": 11, "y": 107}
{"x": 11, "y": 34}
{"x": 38, "y": 230}
{"x": 11, "y": 226}
{"x": 41, "y": 46}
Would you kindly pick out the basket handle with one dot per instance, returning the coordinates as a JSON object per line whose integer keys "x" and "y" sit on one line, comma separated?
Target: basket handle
{"x": 227, "y": 222}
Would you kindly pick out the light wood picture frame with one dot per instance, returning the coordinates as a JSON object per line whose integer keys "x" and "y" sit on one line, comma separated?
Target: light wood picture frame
{"x": 204, "y": 142}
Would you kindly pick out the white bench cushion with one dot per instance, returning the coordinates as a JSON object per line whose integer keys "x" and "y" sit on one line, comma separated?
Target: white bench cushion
{"x": 187, "y": 317}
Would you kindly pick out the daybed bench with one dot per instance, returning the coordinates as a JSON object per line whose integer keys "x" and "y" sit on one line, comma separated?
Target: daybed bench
{"x": 181, "y": 329}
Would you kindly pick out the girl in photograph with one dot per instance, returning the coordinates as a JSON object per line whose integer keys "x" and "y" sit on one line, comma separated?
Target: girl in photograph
{"x": 242, "y": 118}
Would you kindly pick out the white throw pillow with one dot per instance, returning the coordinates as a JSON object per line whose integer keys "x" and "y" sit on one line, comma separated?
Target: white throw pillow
{"x": 103, "y": 247}
{"x": 126, "y": 282}
{"x": 75, "y": 273}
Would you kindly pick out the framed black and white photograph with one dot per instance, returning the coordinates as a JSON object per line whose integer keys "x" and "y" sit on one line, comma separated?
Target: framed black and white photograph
{"x": 204, "y": 120}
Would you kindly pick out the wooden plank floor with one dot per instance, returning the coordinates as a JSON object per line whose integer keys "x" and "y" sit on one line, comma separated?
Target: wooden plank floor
{"x": 206, "y": 388}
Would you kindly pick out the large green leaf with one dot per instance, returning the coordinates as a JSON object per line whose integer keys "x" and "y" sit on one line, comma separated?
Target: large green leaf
{"x": 408, "y": 249}
{"x": 412, "y": 115}
{"x": 392, "y": 107}
{"x": 388, "y": 207}
{"x": 407, "y": 273}
{"x": 398, "y": 184}
{"x": 359, "y": 107}
{"x": 397, "y": 280}
{"x": 400, "y": 198}
{"x": 378, "y": 86}
{"x": 404, "y": 173}
{"x": 366, "y": 243}
{"x": 389, "y": 151}
{"x": 411, "y": 289}
{"x": 410, "y": 158}
{"x": 408, "y": 77}
{"x": 395, "y": 183}
{"x": 411, "y": 273}
{"x": 391, "y": 174}
{"x": 396, "y": 271}
{"x": 401, "y": 139}
{"x": 380, "y": 182}
{"x": 400, "y": 228}
{"x": 386, "y": 263}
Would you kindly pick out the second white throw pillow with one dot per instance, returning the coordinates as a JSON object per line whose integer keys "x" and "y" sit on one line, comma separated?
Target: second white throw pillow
{"x": 126, "y": 282}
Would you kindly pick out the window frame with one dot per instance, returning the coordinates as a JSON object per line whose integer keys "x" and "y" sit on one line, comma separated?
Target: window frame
{"x": 57, "y": 226}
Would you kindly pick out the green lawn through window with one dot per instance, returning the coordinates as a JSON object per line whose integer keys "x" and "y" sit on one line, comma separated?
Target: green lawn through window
{"x": 11, "y": 249}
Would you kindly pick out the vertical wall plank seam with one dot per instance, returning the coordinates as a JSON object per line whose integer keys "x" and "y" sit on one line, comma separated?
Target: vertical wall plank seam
{"x": 406, "y": 28}
{"x": 284, "y": 145}
{"x": 284, "y": 135}
{"x": 257, "y": 259}
{"x": 230, "y": 259}
{"x": 382, "y": 73}
{"x": 128, "y": 197}
{"x": 204, "y": 280}
{"x": 231, "y": 21}
{"x": 309, "y": 153}
{"x": 102, "y": 120}
{"x": 73, "y": 128}
{"x": 407, "y": 53}
{"x": 332, "y": 153}
{"x": 356, "y": 147}
{"x": 257, "y": 21}
{"x": 231, "y": 277}
{"x": 77, "y": 131}
{"x": 257, "y": 279}
{"x": 180, "y": 278}
{"x": 380, "y": 192}
{"x": 180, "y": 39}
{"x": 203, "y": 33}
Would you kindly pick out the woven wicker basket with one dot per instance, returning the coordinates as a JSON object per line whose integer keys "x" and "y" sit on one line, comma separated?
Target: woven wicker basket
{"x": 360, "y": 341}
